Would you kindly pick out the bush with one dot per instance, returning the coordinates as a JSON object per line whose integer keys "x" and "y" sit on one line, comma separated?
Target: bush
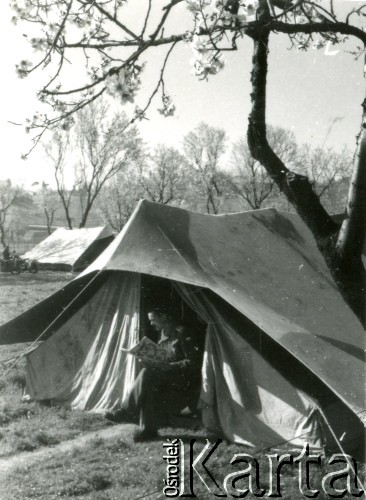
{"x": 45, "y": 439}
{"x": 9, "y": 414}
{"x": 17, "y": 377}
{"x": 118, "y": 446}
{"x": 95, "y": 482}
{"x": 25, "y": 444}
{"x": 99, "y": 481}
{"x": 74, "y": 489}
{"x": 4, "y": 416}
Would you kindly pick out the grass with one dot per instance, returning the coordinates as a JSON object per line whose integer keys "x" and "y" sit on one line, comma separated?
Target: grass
{"x": 28, "y": 426}
{"x": 19, "y": 292}
{"x": 98, "y": 471}
{"x": 122, "y": 469}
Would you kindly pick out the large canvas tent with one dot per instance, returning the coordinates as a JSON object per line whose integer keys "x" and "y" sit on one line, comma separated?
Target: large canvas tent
{"x": 71, "y": 250}
{"x": 283, "y": 352}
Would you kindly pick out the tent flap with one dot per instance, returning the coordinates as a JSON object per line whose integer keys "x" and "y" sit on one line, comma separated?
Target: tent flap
{"x": 86, "y": 366}
{"x": 242, "y": 395}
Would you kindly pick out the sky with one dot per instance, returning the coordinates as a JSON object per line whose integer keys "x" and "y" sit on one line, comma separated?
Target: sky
{"x": 317, "y": 94}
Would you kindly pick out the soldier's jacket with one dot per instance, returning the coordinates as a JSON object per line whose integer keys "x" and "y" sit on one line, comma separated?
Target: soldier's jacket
{"x": 183, "y": 351}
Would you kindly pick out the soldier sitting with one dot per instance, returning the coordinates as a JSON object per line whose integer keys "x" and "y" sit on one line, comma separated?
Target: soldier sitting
{"x": 163, "y": 386}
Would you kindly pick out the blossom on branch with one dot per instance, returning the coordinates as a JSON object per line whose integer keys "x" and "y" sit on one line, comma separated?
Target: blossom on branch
{"x": 139, "y": 114}
{"x": 318, "y": 44}
{"x": 212, "y": 19}
{"x": 23, "y": 68}
{"x": 124, "y": 84}
{"x": 21, "y": 9}
{"x": 39, "y": 44}
{"x": 194, "y": 5}
{"x": 208, "y": 15}
{"x": 67, "y": 123}
{"x": 199, "y": 44}
{"x": 205, "y": 64}
{"x": 206, "y": 61}
{"x": 168, "y": 108}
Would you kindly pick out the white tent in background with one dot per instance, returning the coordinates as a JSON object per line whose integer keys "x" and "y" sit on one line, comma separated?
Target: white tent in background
{"x": 71, "y": 250}
{"x": 283, "y": 352}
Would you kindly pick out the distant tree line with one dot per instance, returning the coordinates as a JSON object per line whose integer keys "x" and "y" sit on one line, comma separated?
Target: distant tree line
{"x": 105, "y": 164}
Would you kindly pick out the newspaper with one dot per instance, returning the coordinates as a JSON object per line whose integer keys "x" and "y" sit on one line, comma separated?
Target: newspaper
{"x": 146, "y": 349}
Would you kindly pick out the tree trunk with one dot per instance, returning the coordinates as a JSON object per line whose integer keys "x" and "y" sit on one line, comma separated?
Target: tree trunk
{"x": 48, "y": 222}
{"x": 65, "y": 204}
{"x": 346, "y": 268}
{"x": 208, "y": 203}
{"x": 85, "y": 216}
{"x": 351, "y": 238}
{"x": 2, "y": 235}
{"x": 68, "y": 218}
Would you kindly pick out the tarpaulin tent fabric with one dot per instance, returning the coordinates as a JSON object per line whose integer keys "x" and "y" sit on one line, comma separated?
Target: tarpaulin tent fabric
{"x": 71, "y": 250}
{"x": 264, "y": 264}
{"x": 242, "y": 395}
{"x": 86, "y": 366}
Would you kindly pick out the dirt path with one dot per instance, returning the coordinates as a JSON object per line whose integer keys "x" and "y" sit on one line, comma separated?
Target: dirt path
{"x": 44, "y": 453}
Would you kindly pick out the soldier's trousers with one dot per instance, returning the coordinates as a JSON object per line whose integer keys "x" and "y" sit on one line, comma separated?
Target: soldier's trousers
{"x": 155, "y": 395}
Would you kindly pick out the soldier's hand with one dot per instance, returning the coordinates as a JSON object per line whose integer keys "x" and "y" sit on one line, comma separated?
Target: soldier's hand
{"x": 146, "y": 363}
{"x": 155, "y": 365}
